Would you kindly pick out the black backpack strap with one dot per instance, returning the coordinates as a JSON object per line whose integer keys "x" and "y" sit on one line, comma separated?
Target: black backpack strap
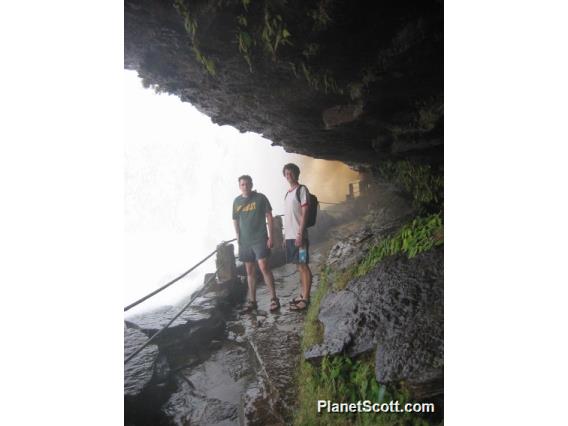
{"x": 298, "y": 194}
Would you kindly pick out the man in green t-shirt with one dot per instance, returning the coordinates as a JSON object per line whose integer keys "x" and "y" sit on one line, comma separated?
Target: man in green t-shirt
{"x": 251, "y": 211}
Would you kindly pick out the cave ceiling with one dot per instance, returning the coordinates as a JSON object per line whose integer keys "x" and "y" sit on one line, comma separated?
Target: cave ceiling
{"x": 359, "y": 82}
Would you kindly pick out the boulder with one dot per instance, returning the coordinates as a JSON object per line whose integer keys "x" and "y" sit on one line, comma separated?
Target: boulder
{"x": 397, "y": 309}
{"x": 140, "y": 371}
{"x": 201, "y": 322}
{"x": 147, "y": 382}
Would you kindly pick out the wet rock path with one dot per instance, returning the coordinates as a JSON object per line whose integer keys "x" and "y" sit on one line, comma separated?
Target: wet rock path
{"x": 223, "y": 367}
{"x": 274, "y": 341}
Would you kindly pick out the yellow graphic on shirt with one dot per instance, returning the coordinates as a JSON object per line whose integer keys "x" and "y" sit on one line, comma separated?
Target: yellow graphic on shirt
{"x": 248, "y": 208}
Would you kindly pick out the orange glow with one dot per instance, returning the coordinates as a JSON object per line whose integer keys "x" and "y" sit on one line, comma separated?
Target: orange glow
{"x": 329, "y": 180}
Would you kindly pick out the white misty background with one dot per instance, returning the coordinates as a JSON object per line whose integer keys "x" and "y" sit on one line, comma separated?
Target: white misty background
{"x": 181, "y": 175}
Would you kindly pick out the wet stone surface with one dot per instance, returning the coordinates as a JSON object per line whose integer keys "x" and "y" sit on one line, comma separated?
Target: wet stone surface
{"x": 242, "y": 369}
{"x": 209, "y": 393}
{"x": 139, "y": 372}
{"x": 255, "y": 368}
{"x": 147, "y": 380}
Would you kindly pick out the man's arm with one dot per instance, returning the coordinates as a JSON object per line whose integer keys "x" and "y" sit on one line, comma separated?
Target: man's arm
{"x": 270, "y": 224}
{"x": 237, "y": 229}
{"x": 303, "y": 221}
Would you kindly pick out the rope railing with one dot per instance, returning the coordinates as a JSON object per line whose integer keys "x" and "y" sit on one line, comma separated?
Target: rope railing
{"x": 174, "y": 280}
{"x": 137, "y": 302}
{"x": 154, "y": 336}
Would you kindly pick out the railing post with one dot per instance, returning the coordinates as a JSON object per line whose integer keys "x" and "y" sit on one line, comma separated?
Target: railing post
{"x": 363, "y": 187}
{"x": 349, "y": 196}
{"x": 225, "y": 262}
{"x": 277, "y": 236}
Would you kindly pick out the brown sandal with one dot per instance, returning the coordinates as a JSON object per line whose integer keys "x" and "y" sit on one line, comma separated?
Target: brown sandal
{"x": 296, "y": 300}
{"x": 249, "y": 307}
{"x": 274, "y": 304}
{"x": 300, "y": 305}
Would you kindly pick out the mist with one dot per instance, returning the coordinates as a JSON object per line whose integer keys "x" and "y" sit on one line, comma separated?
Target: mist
{"x": 180, "y": 181}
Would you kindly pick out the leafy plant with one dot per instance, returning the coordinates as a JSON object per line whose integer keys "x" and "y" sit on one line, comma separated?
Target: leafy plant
{"x": 320, "y": 15}
{"x": 343, "y": 379}
{"x": 311, "y": 49}
{"x": 352, "y": 380}
{"x": 420, "y": 235}
{"x": 425, "y": 186}
{"x": 245, "y": 43}
{"x": 242, "y": 20}
{"x": 323, "y": 81}
{"x": 274, "y": 32}
{"x": 355, "y": 91}
{"x": 207, "y": 63}
{"x": 190, "y": 24}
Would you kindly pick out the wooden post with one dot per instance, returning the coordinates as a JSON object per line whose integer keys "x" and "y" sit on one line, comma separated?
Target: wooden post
{"x": 225, "y": 262}
{"x": 363, "y": 186}
{"x": 277, "y": 236}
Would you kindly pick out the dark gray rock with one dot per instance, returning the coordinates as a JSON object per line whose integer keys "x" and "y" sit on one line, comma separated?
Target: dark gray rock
{"x": 219, "y": 383}
{"x": 219, "y": 413}
{"x": 350, "y": 251}
{"x": 341, "y": 114}
{"x": 139, "y": 372}
{"x": 147, "y": 383}
{"x": 203, "y": 321}
{"x": 396, "y": 308}
{"x": 156, "y": 393}
{"x": 257, "y": 409}
{"x": 353, "y": 243}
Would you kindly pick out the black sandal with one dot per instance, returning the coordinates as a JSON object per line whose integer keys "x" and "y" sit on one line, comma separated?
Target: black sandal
{"x": 274, "y": 304}
{"x": 300, "y": 305}
{"x": 249, "y": 307}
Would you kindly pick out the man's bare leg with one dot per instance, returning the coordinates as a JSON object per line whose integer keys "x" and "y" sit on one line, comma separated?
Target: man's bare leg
{"x": 305, "y": 279}
{"x": 268, "y": 276}
{"x": 251, "y": 280}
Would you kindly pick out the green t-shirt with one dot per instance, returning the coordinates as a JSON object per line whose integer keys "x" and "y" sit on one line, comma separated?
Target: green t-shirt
{"x": 251, "y": 214}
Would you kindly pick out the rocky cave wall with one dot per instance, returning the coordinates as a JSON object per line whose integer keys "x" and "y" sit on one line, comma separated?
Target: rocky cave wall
{"x": 340, "y": 80}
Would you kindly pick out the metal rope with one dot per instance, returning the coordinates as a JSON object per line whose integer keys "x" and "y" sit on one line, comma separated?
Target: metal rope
{"x": 174, "y": 280}
{"x": 197, "y": 294}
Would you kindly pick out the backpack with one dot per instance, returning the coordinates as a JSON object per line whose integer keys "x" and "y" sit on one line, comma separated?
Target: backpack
{"x": 312, "y": 206}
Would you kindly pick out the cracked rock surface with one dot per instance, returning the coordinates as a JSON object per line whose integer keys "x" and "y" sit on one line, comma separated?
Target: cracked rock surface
{"x": 397, "y": 309}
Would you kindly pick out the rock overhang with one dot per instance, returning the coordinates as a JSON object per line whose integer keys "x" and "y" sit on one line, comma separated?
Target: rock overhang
{"x": 329, "y": 79}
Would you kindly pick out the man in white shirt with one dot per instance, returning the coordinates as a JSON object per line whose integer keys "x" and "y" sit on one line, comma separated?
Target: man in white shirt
{"x": 296, "y": 235}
